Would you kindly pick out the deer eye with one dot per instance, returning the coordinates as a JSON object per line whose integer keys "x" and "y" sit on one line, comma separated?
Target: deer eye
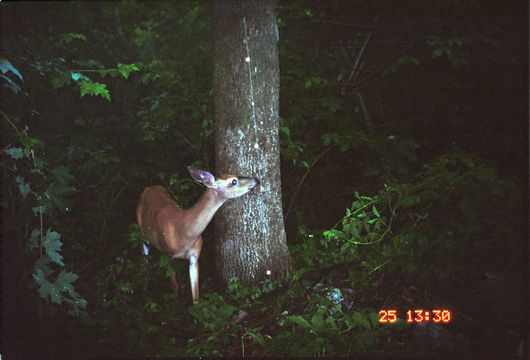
{"x": 234, "y": 182}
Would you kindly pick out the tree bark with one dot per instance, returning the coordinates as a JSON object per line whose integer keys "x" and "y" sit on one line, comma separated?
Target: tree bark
{"x": 250, "y": 235}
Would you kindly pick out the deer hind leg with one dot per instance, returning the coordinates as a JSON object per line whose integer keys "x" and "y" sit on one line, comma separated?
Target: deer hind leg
{"x": 145, "y": 252}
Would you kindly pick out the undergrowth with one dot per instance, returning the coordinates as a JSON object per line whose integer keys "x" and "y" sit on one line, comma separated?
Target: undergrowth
{"x": 391, "y": 250}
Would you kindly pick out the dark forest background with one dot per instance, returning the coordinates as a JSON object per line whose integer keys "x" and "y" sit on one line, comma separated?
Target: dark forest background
{"x": 404, "y": 144}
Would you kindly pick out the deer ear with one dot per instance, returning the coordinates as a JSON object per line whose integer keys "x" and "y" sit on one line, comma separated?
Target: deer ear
{"x": 202, "y": 176}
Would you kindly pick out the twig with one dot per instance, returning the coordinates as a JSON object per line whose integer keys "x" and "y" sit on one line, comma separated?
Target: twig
{"x": 356, "y": 63}
{"x": 5, "y": 148}
{"x": 185, "y": 139}
{"x": 367, "y": 118}
{"x": 40, "y": 210}
{"x": 357, "y": 26}
{"x": 302, "y": 180}
{"x": 83, "y": 268}
{"x": 9, "y": 120}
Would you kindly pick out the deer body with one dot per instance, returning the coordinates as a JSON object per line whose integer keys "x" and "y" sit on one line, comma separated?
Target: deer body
{"x": 176, "y": 231}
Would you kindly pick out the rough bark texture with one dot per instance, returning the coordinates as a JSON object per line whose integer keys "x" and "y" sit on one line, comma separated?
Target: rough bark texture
{"x": 250, "y": 233}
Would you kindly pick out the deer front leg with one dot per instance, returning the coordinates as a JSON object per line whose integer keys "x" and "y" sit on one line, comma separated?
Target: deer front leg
{"x": 194, "y": 278}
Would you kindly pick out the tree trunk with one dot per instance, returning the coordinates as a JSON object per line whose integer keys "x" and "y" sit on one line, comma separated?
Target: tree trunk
{"x": 250, "y": 235}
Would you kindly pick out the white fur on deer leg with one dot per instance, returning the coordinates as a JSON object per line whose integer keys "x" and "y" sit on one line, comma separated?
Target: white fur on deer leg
{"x": 194, "y": 276}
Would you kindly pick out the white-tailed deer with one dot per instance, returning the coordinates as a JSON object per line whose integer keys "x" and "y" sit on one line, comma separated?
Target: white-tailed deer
{"x": 176, "y": 231}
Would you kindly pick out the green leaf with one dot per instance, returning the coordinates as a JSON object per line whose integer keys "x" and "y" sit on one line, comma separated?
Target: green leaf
{"x": 376, "y": 213}
{"x": 318, "y": 319}
{"x": 297, "y": 319}
{"x": 195, "y": 312}
{"x": 361, "y": 320}
{"x": 52, "y": 244}
{"x": 78, "y": 76}
{"x": 48, "y": 289}
{"x": 329, "y": 137}
{"x": 169, "y": 271}
{"x": 62, "y": 174}
{"x": 60, "y": 79}
{"x": 125, "y": 69}
{"x": 258, "y": 338}
{"x": 374, "y": 319}
{"x": 226, "y": 310}
{"x": 34, "y": 239}
{"x": 23, "y": 188}
{"x": 93, "y": 88}
{"x": 436, "y": 53}
{"x": 331, "y": 322}
{"x": 64, "y": 282}
{"x": 126, "y": 287}
{"x": 30, "y": 142}
{"x": 69, "y": 37}
{"x": 38, "y": 276}
{"x": 80, "y": 302}
{"x": 331, "y": 102}
{"x": 15, "y": 153}
{"x": 151, "y": 306}
{"x": 6, "y": 66}
{"x": 164, "y": 260}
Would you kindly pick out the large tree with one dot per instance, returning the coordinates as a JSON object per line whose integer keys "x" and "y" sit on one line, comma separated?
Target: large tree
{"x": 251, "y": 242}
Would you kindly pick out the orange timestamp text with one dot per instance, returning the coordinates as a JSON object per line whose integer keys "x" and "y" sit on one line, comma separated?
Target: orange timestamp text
{"x": 390, "y": 316}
